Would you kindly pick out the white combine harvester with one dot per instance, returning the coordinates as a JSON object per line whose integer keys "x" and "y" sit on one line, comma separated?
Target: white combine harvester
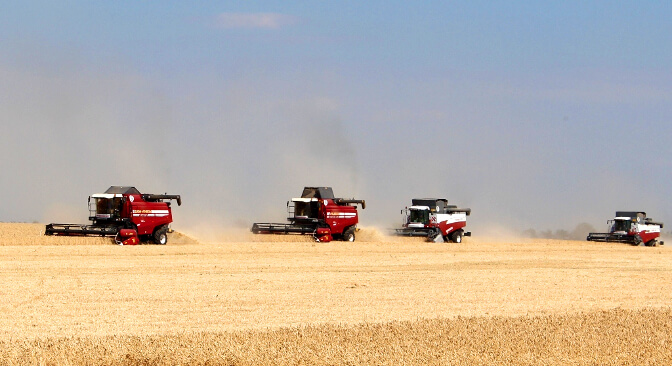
{"x": 631, "y": 227}
{"x": 435, "y": 219}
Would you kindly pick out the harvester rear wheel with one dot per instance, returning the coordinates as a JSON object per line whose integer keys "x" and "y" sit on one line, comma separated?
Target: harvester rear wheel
{"x": 349, "y": 234}
{"x": 160, "y": 236}
{"x": 456, "y": 237}
{"x": 652, "y": 243}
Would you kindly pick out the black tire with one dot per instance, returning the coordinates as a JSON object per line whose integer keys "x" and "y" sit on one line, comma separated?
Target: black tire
{"x": 433, "y": 233}
{"x": 160, "y": 236}
{"x": 349, "y": 234}
{"x": 456, "y": 237}
{"x": 651, "y": 243}
{"x": 637, "y": 240}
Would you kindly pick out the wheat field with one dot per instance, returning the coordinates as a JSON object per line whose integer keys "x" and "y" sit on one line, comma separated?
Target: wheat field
{"x": 251, "y": 300}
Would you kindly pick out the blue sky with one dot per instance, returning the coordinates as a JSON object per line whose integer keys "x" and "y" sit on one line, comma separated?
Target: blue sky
{"x": 535, "y": 114}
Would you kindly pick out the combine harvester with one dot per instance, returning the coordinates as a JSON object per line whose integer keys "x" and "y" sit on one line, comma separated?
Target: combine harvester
{"x": 434, "y": 219}
{"x": 631, "y": 227}
{"x": 318, "y": 213}
{"x": 126, "y": 214}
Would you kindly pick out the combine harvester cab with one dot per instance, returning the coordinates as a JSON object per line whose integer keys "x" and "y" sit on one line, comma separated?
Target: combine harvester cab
{"x": 434, "y": 219}
{"x": 631, "y": 227}
{"x": 126, "y": 214}
{"x": 318, "y": 213}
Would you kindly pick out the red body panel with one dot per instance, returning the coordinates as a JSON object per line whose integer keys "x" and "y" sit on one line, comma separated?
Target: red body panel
{"x": 146, "y": 216}
{"x": 648, "y": 236}
{"x": 338, "y": 217}
{"x": 449, "y": 228}
{"x": 149, "y": 215}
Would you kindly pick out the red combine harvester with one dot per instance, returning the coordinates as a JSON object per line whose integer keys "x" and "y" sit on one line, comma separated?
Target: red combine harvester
{"x": 434, "y": 219}
{"x": 317, "y": 213}
{"x": 631, "y": 227}
{"x": 126, "y": 214}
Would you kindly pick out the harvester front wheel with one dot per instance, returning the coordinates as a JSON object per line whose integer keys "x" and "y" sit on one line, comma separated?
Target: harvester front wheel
{"x": 637, "y": 241}
{"x": 435, "y": 235}
{"x": 349, "y": 234}
{"x": 160, "y": 236}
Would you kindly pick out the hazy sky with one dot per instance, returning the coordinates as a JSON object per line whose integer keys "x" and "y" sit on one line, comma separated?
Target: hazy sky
{"x": 534, "y": 114}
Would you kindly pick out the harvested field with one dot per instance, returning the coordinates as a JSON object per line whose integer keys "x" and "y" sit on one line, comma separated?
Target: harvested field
{"x": 376, "y": 301}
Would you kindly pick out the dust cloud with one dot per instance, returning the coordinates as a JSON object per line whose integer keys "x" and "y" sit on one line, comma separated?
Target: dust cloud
{"x": 237, "y": 149}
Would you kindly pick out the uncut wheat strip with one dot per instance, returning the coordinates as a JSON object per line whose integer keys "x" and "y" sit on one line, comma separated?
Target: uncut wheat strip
{"x": 13, "y": 234}
{"x": 614, "y": 336}
{"x": 33, "y": 234}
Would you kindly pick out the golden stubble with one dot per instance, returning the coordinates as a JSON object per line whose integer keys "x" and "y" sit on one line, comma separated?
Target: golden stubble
{"x": 93, "y": 299}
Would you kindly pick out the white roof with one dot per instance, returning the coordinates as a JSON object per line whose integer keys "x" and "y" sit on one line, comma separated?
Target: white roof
{"x": 419, "y": 207}
{"x": 106, "y": 195}
{"x": 304, "y": 200}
